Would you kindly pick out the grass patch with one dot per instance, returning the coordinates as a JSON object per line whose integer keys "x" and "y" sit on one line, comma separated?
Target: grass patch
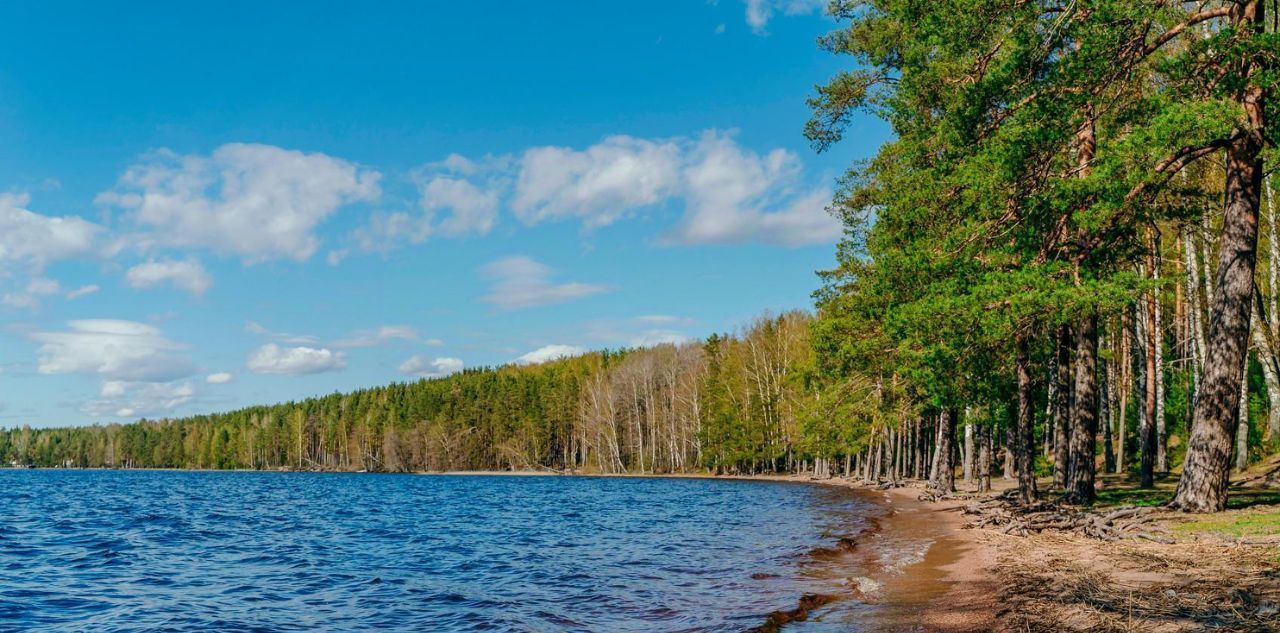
{"x": 1238, "y": 499}
{"x": 1260, "y": 521}
{"x": 1134, "y": 496}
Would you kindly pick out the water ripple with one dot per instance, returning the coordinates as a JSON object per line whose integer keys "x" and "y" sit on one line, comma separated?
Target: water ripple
{"x": 180, "y": 551}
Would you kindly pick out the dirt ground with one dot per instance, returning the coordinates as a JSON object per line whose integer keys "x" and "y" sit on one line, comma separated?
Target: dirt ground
{"x": 975, "y": 580}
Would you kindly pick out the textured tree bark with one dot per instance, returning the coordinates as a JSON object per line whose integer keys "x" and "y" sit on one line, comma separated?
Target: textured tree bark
{"x": 1125, "y": 384}
{"x": 1147, "y": 427}
{"x": 944, "y": 476}
{"x": 1007, "y": 457}
{"x": 1051, "y": 408}
{"x": 1062, "y": 409}
{"x": 1157, "y": 351}
{"x": 1270, "y": 378}
{"x": 1023, "y": 436}
{"x": 968, "y": 453}
{"x": 1207, "y": 468}
{"x": 1242, "y": 425}
{"x": 1273, "y": 267}
{"x": 984, "y": 458}
{"x": 1104, "y": 411}
{"x": 1195, "y": 321}
{"x": 1084, "y": 418}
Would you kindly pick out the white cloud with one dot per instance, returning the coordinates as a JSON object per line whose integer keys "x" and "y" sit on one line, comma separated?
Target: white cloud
{"x": 759, "y": 12}
{"x": 259, "y": 202}
{"x": 735, "y": 195}
{"x": 663, "y": 319}
{"x": 123, "y": 351}
{"x": 253, "y": 327}
{"x": 457, "y": 197}
{"x": 29, "y": 296}
{"x": 473, "y": 210}
{"x": 33, "y": 239}
{"x": 188, "y": 275}
{"x": 522, "y": 282}
{"x": 549, "y": 352}
{"x": 124, "y": 399}
{"x": 599, "y": 184}
{"x": 380, "y": 336}
{"x": 418, "y": 365}
{"x": 641, "y": 331}
{"x": 729, "y": 194}
{"x": 294, "y": 361}
{"x": 649, "y": 338}
{"x": 220, "y": 378}
{"x": 82, "y": 291}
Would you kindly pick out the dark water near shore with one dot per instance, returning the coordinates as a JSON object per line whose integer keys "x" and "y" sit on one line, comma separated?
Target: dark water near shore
{"x": 199, "y": 551}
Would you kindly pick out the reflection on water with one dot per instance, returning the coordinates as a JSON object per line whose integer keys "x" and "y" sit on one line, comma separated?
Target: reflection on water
{"x": 196, "y": 551}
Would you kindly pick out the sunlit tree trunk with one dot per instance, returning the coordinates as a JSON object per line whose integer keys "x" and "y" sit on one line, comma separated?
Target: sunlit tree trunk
{"x": 1157, "y": 353}
{"x": 1207, "y": 468}
{"x": 1023, "y": 436}
{"x": 1084, "y": 418}
{"x": 1104, "y": 411}
{"x": 1062, "y": 409}
{"x": 943, "y": 479}
{"x": 968, "y": 452}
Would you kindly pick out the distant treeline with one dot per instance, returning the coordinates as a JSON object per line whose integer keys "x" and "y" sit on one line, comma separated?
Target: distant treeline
{"x": 731, "y": 403}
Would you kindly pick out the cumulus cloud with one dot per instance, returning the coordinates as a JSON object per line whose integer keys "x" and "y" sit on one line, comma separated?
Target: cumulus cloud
{"x": 759, "y": 12}
{"x": 294, "y": 361}
{"x": 381, "y": 336}
{"x": 259, "y": 202}
{"x": 522, "y": 282}
{"x": 30, "y": 238}
{"x": 122, "y": 351}
{"x": 253, "y": 327}
{"x": 729, "y": 194}
{"x": 220, "y": 378}
{"x": 548, "y": 353}
{"x": 641, "y": 331}
{"x": 457, "y": 197}
{"x": 418, "y": 365}
{"x": 82, "y": 291}
{"x": 736, "y": 195}
{"x": 188, "y": 275}
{"x": 597, "y": 185}
{"x": 649, "y": 338}
{"x": 29, "y": 296}
{"x": 124, "y": 399}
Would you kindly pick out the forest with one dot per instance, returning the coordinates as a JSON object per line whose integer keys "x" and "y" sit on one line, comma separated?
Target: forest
{"x": 1066, "y": 262}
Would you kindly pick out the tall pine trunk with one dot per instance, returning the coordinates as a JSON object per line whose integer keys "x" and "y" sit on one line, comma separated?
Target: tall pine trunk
{"x": 1157, "y": 352}
{"x": 968, "y": 453}
{"x": 1062, "y": 409}
{"x": 1084, "y": 418}
{"x": 944, "y": 476}
{"x": 984, "y": 458}
{"x": 1147, "y": 425}
{"x": 1023, "y": 436}
{"x": 1207, "y": 468}
{"x": 1104, "y": 411}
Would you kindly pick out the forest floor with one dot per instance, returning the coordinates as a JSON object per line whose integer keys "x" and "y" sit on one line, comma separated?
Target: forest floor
{"x": 1216, "y": 572}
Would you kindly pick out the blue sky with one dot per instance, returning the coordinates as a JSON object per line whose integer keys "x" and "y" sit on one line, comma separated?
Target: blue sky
{"x": 208, "y": 207}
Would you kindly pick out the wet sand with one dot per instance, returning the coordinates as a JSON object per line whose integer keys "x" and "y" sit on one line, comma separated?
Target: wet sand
{"x": 952, "y": 588}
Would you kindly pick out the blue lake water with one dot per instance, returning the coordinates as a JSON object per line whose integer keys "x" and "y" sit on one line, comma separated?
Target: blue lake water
{"x": 237, "y": 551}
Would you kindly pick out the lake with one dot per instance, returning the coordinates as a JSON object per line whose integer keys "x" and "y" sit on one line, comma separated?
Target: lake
{"x": 243, "y": 551}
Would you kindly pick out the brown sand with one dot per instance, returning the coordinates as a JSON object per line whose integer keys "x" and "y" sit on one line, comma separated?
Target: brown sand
{"x": 952, "y": 590}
